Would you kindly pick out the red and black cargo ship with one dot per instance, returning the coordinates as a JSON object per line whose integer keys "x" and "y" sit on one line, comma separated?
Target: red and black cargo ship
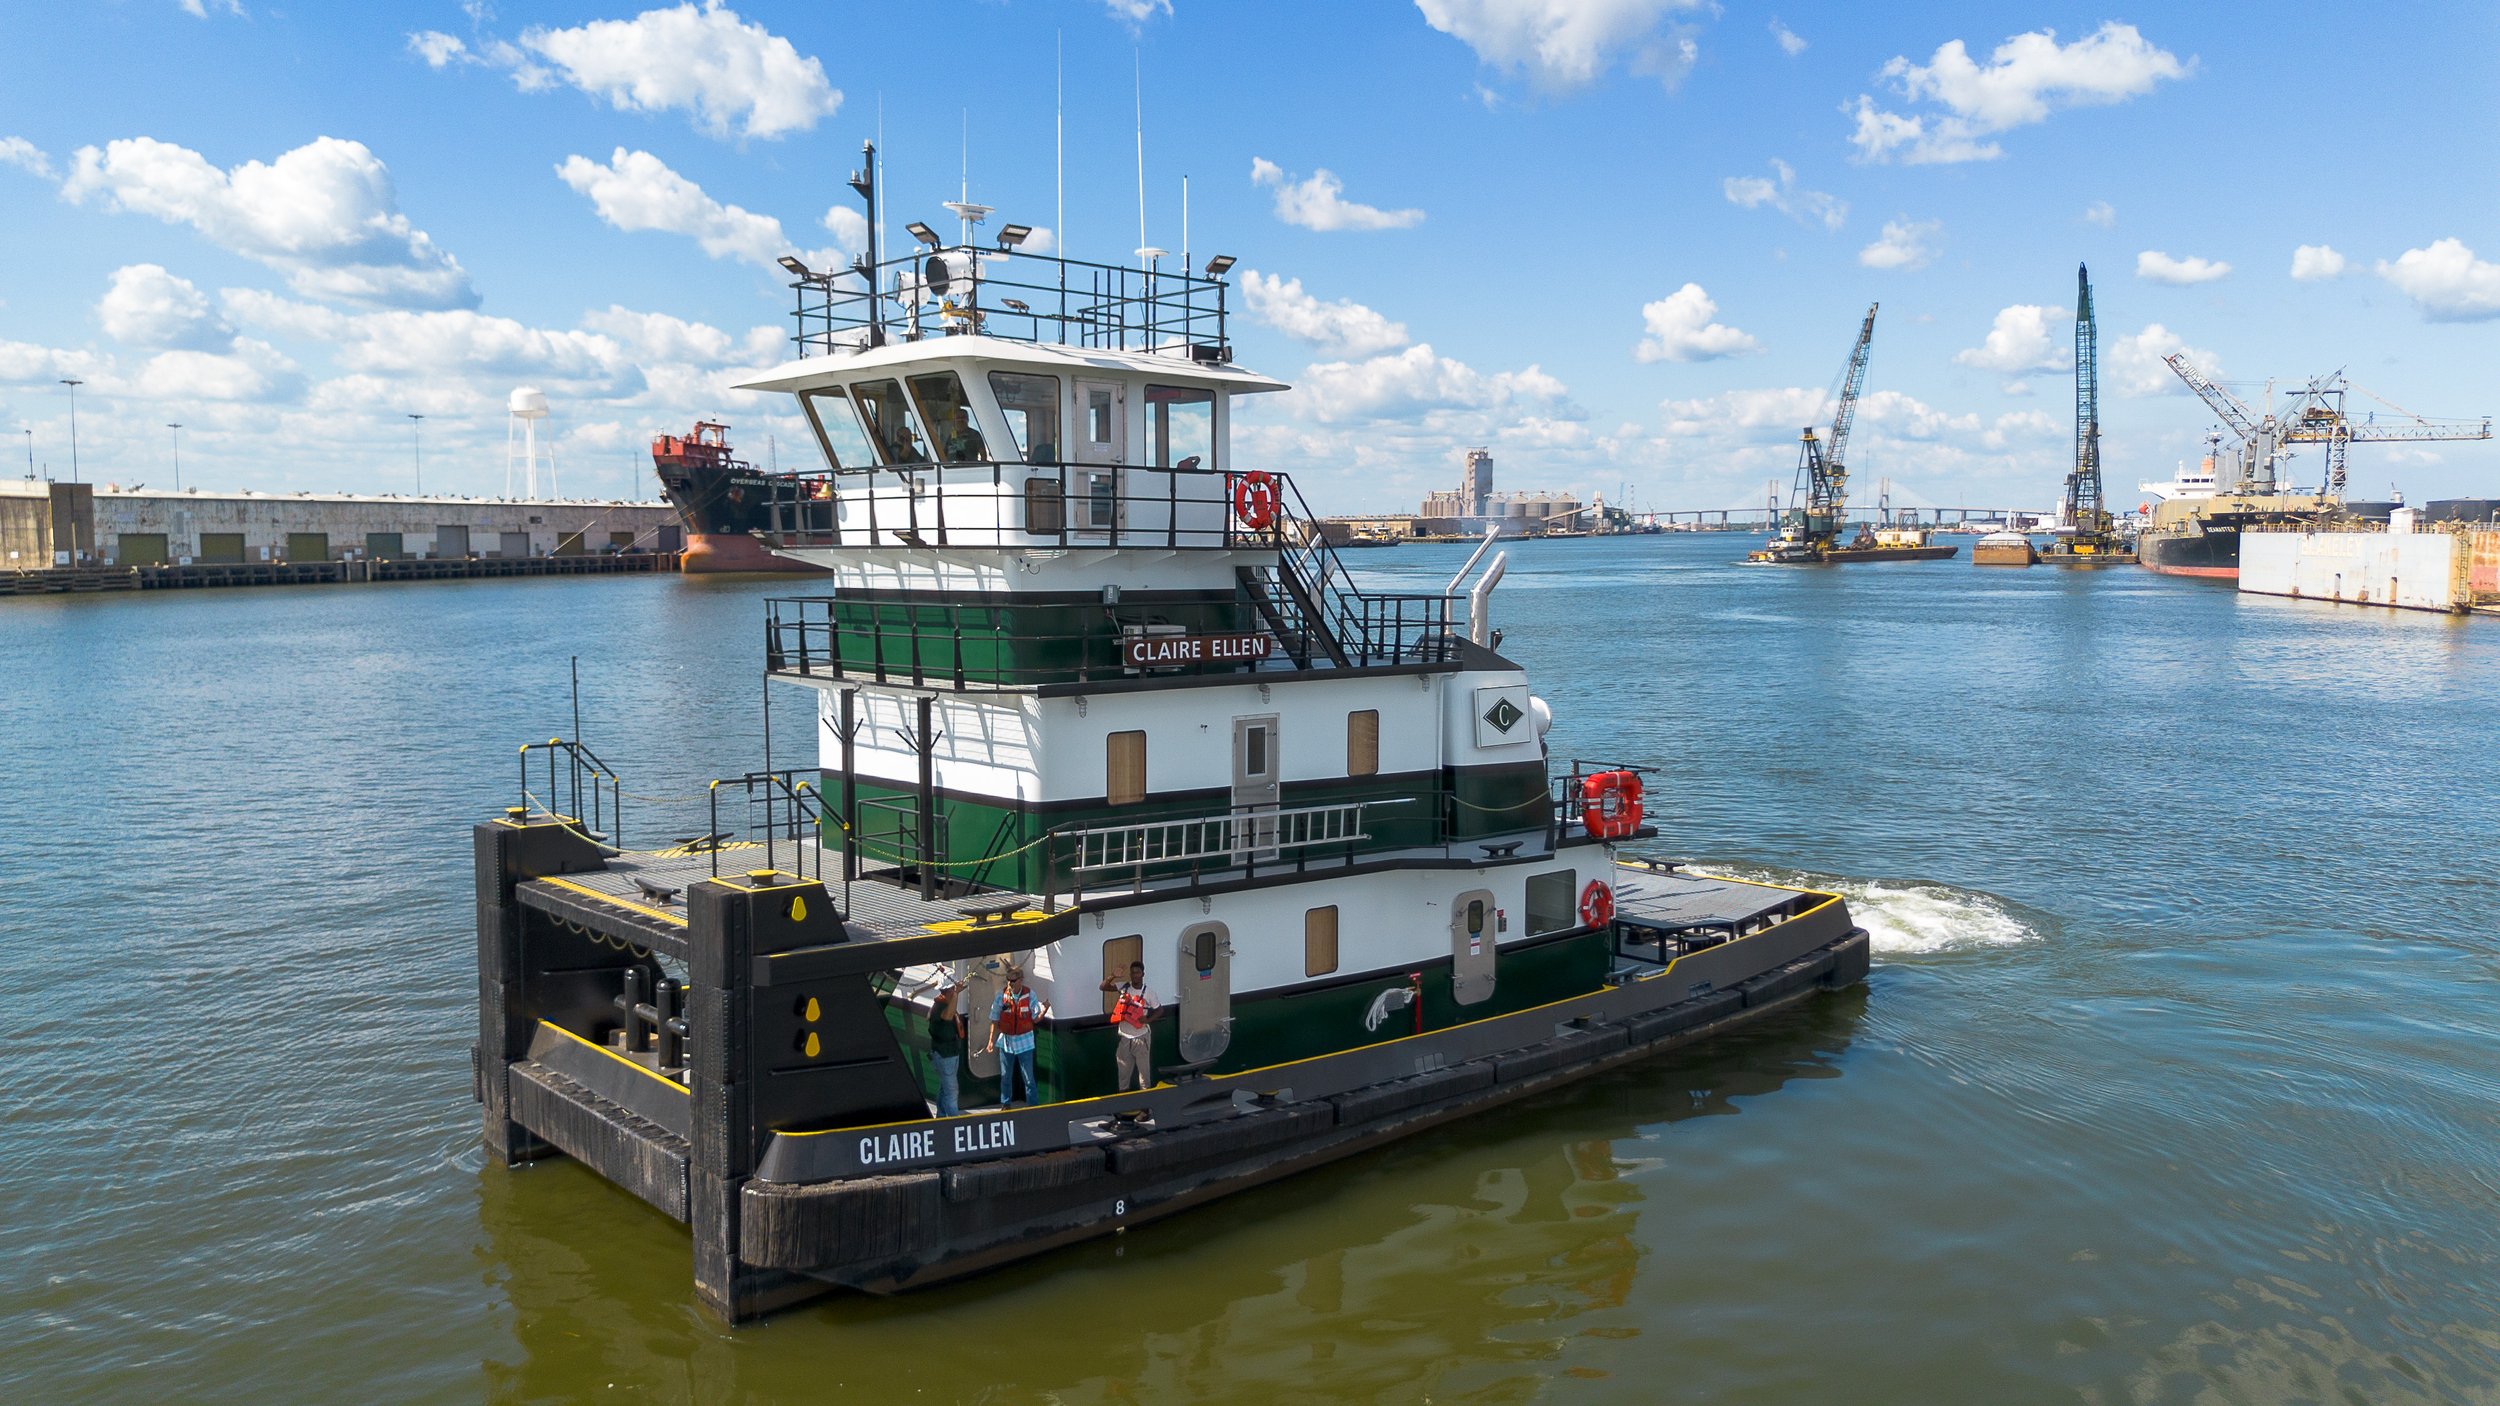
{"x": 724, "y": 501}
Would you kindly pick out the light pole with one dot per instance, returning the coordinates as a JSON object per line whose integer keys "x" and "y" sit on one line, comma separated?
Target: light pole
{"x": 177, "y": 429}
{"x": 416, "y": 443}
{"x": 73, "y": 383}
{"x": 30, "y": 456}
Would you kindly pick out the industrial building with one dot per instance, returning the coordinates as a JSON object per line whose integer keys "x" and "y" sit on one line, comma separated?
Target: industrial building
{"x": 1473, "y": 506}
{"x": 45, "y": 524}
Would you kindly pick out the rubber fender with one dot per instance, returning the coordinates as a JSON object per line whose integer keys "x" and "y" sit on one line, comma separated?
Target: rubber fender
{"x": 1224, "y": 1139}
{"x": 628, "y": 1149}
{"x": 1008, "y": 1176}
{"x": 1561, "y": 1052}
{"x": 1689, "y": 1014}
{"x": 1380, "y": 1100}
{"x": 828, "y": 1224}
{"x": 1778, "y": 983}
{"x": 1850, "y": 958}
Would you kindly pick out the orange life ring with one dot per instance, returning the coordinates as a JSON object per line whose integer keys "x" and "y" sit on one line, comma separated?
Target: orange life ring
{"x": 1597, "y": 904}
{"x": 1610, "y": 804}
{"x": 1254, "y": 499}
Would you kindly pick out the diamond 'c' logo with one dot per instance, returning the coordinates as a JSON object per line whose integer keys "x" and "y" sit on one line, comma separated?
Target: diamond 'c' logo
{"x": 1504, "y": 715}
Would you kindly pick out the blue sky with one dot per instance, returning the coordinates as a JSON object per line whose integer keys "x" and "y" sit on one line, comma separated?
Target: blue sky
{"x": 1616, "y": 240}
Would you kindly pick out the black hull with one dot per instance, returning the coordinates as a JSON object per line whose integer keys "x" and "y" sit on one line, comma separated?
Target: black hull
{"x": 723, "y": 508}
{"x": 2214, "y": 552}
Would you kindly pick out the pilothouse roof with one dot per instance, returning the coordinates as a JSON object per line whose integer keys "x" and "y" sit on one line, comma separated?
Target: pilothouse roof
{"x": 1003, "y": 353}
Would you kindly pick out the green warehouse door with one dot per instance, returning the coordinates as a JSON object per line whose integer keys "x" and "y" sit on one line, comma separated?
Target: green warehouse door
{"x": 224, "y": 548}
{"x": 308, "y": 546}
{"x": 143, "y": 549}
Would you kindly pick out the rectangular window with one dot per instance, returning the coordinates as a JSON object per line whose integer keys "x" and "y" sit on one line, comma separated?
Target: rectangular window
{"x": 1031, "y": 405}
{"x": 949, "y": 417}
{"x": 1181, "y": 422}
{"x": 1045, "y": 508}
{"x": 1102, "y": 500}
{"x": 1362, "y": 742}
{"x": 1553, "y": 902}
{"x": 837, "y": 429}
{"x": 1124, "y": 768}
{"x": 888, "y": 418}
{"x": 1319, "y": 941}
{"x": 1098, "y": 405}
{"x": 1254, "y": 764}
{"x": 1116, "y": 956}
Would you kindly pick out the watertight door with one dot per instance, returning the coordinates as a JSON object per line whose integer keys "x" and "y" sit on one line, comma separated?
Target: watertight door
{"x": 1206, "y": 982}
{"x": 1473, "y": 927}
{"x": 987, "y": 978}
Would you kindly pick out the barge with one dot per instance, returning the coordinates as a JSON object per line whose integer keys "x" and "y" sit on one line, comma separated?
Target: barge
{"x": 1123, "y": 781}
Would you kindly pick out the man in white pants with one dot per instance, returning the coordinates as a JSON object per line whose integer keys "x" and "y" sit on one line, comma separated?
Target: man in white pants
{"x": 1134, "y": 1013}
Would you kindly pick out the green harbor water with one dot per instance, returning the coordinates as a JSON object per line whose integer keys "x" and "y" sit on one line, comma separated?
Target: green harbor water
{"x": 2177, "y": 1078}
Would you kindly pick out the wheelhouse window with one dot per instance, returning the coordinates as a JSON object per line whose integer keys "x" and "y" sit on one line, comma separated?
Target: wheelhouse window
{"x": 949, "y": 417}
{"x": 1031, "y": 405}
{"x": 837, "y": 429}
{"x": 889, "y": 421}
{"x": 1180, "y": 421}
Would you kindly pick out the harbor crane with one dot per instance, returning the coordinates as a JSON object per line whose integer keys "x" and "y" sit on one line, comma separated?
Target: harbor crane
{"x": 1822, "y": 470}
{"x": 2314, "y": 414}
{"x": 2086, "y": 532}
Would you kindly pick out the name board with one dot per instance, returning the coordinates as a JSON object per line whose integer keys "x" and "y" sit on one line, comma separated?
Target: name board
{"x": 879, "y": 1150}
{"x": 1180, "y": 651}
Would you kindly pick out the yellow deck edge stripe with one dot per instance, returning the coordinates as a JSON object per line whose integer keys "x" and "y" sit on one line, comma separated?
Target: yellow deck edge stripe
{"x": 630, "y": 1064}
{"x": 588, "y": 892}
{"x": 1828, "y": 900}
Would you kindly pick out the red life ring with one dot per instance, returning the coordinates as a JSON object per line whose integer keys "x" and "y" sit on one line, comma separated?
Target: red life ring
{"x": 1597, "y": 904}
{"x": 1254, "y": 499}
{"x": 1610, "y": 804}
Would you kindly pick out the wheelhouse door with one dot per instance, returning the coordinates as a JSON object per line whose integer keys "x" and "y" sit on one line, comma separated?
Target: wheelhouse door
{"x": 1101, "y": 443}
{"x": 1256, "y": 789}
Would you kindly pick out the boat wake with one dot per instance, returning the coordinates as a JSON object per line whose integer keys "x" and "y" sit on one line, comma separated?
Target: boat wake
{"x": 1906, "y": 917}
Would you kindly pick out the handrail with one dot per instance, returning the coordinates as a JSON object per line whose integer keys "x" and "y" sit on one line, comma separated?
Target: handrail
{"x": 586, "y": 793}
{"x": 965, "y": 289}
{"x": 791, "y": 811}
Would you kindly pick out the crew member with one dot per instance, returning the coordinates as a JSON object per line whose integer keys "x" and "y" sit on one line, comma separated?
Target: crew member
{"x": 946, "y": 1047}
{"x": 1014, "y": 1013}
{"x": 963, "y": 442}
{"x": 1133, "y": 1012}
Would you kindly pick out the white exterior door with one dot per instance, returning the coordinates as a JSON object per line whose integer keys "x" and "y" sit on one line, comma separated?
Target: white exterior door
{"x": 1101, "y": 443}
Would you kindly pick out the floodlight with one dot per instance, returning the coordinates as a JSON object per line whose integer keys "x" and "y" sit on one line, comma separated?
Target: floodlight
{"x": 1217, "y": 266}
{"x": 1015, "y": 305}
{"x": 797, "y": 269}
{"x": 1009, "y": 236}
{"x": 923, "y": 233}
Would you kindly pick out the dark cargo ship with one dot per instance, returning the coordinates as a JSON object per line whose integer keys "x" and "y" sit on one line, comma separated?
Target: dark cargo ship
{"x": 2201, "y": 536}
{"x": 724, "y": 501}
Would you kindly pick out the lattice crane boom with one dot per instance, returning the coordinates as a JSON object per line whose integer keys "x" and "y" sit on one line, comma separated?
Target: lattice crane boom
{"x": 1850, "y": 385}
{"x": 2231, "y": 408}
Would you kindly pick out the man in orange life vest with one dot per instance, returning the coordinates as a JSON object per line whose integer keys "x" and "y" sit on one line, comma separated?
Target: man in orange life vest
{"x": 1013, "y": 1014}
{"x": 1134, "y": 1013}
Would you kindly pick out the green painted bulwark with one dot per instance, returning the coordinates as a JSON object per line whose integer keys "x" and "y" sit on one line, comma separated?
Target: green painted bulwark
{"x": 946, "y": 643}
{"x": 1002, "y": 844}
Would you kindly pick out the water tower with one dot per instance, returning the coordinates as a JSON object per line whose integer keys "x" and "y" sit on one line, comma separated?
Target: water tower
{"x": 528, "y": 406}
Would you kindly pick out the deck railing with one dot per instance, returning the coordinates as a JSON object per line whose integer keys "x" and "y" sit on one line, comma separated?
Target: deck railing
{"x": 579, "y": 789}
{"x": 965, "y": 289}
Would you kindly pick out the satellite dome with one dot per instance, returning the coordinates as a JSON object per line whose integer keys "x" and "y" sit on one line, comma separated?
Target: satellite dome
{"x": 529, "y": 402}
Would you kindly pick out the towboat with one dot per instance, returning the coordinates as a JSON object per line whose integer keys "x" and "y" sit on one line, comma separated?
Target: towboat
{"x": 1110, "y": 747}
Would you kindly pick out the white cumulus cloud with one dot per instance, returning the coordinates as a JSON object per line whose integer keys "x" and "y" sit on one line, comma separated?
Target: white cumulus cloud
{"x": 2024, "y": 337}
{"x": 2159, "y": 267}
{"x": 149, "y": 307}
{"x": 2102, "y": 213}
{"x": 1417, "y": 381}
{"x": 1680, "y": 329}
{"x": 1905, "y": 244}
{"x": 637, "y": 192}
{"x": 1339, "y": 328}
{"x": 731, "y": 76}
{"x": 2311, "y": 262}
{"x": 2446, "y": 281}
{"x": 25, "y": 156}
{"x": 1560, "y": 45}
{"x": 2024, "y": 80}
{"x": 1790, "y": 42}
{"x": 1319, "y": 202}
{"x": 2134, "y": 365}
{"x": 324, "y": 214}
{"x": 1780, "y": 192}
{"x": 1137, "y": 12}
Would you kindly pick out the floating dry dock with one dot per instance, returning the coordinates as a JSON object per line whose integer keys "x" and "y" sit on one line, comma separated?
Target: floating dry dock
{"x": 804, "y": 1165}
